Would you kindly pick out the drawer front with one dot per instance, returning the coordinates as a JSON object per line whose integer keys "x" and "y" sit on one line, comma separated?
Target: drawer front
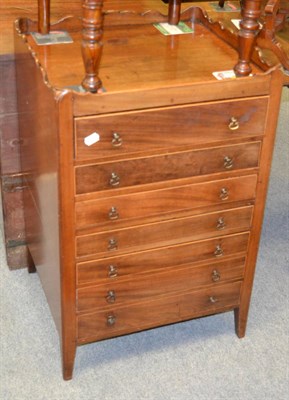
{"x": 113, "y": 269}
{"x": 166, "y": 233}
{"x": 146, "y": 286}
{"x": 165, "y": 310}
{"x": 108, "y": 213}
{"x": 187, "y": 164}
{"x": 125, "y": 134}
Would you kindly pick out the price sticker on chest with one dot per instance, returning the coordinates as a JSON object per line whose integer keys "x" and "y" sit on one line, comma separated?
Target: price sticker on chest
{"x": 167, "y": 29}
{"x": 92, "y": 139}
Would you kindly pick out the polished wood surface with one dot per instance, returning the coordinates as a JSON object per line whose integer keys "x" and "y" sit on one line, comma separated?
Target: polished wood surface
{"x": 143, "y": 171}
{"x": 119, "y": 211}
{"x": 133, "y": 72}
{"x": 114, "y": 294}
{"x": 199, "y": 146}
{"x": 167, "y": 233}
{"x": 65, "y": 239}
{"x": 167, "y": 310}
{"x": 241, "y": 314}
{"x": 155, "y": 41}
{"x": 39, "y": 127}
{"x": 194, "y": 254}
{"x": 129, "y": 134}
{"x": 93, "y": 30}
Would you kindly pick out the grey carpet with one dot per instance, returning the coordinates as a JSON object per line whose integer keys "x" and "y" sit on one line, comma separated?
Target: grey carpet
{"x": 201, "y": 359}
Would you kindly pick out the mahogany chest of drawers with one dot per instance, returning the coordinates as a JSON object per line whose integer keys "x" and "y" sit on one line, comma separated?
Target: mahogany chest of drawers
{"x": 163, "y": 225}
{"x": 144, "y": 207}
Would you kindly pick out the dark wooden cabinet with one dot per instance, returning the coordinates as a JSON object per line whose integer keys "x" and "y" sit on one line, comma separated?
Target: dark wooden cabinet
{"x": 144, "y": 202}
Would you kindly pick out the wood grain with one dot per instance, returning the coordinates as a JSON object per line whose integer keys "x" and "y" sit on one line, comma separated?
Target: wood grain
{"x": 167, "y": 310}
{"x": 167, "y": 167}
{"x": 161, "y": 129}
{"x": 148, "y": 286}
{"x": 38, "y": 127}
{"x": 263, "y": 181}
{"x": 165, "y": 233}
{"x": 157, "y": 205}
{"x": 152, "y": 261}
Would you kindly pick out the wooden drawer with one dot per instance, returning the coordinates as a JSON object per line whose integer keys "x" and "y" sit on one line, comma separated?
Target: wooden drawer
{"x": 165, "y": 233}
{"x": 121, "y": 267}
{"x": 166, "y": 167}
{"x": 165, "y": 310}
{"x": 131, "y": 133}
{"x": 146, "y": 286}
{"x": 110, "y": 213}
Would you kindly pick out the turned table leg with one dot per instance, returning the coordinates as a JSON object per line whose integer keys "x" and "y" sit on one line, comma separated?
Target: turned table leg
{"x": 249, "y": 25}
{"x": 174, "y": 11}
{"x": 43, "y": 16}
{"x": 92, "y": 43}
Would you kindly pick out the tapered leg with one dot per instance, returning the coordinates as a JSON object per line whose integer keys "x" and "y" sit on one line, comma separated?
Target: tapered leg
{"x": 31, "y": 266}
{"x": 240, "y": 323}
{"x": 68, "y": 357}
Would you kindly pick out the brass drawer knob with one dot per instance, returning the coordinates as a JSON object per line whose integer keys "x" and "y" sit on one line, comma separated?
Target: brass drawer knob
{"x": 213, "y": 299}
{"x": 113, "y": 213}
{"x": 116, "y": 140}
{"x": 114, "y": 180}
{"x": 111, "y": 320}
{"x": 216, "y": 276}
{"x": 224, "y": 193}
{"x": 110, "y": 298}
{"x": 234, "y": 124}
{"x": 221, "y": 224}
{"x": 228, "y": 162}
{"x": 219, "y": 251}
{"x": 112, "y": 244}
{"x": 112, "y": 271}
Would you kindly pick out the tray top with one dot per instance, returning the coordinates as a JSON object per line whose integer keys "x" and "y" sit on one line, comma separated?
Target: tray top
{"x": 139, "y": 56}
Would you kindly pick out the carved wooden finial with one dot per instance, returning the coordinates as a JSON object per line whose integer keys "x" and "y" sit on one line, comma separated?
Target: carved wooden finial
{"x": 92, "y": 43}
{"x": 249, "y": 28}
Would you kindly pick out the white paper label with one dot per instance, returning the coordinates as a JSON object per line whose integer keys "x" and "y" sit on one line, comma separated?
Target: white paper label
{"x": 167, "y": 29}
{"x": 91, "y": 139}
{"x": 236, "y": 22}
{"x": 220, "y": 75}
